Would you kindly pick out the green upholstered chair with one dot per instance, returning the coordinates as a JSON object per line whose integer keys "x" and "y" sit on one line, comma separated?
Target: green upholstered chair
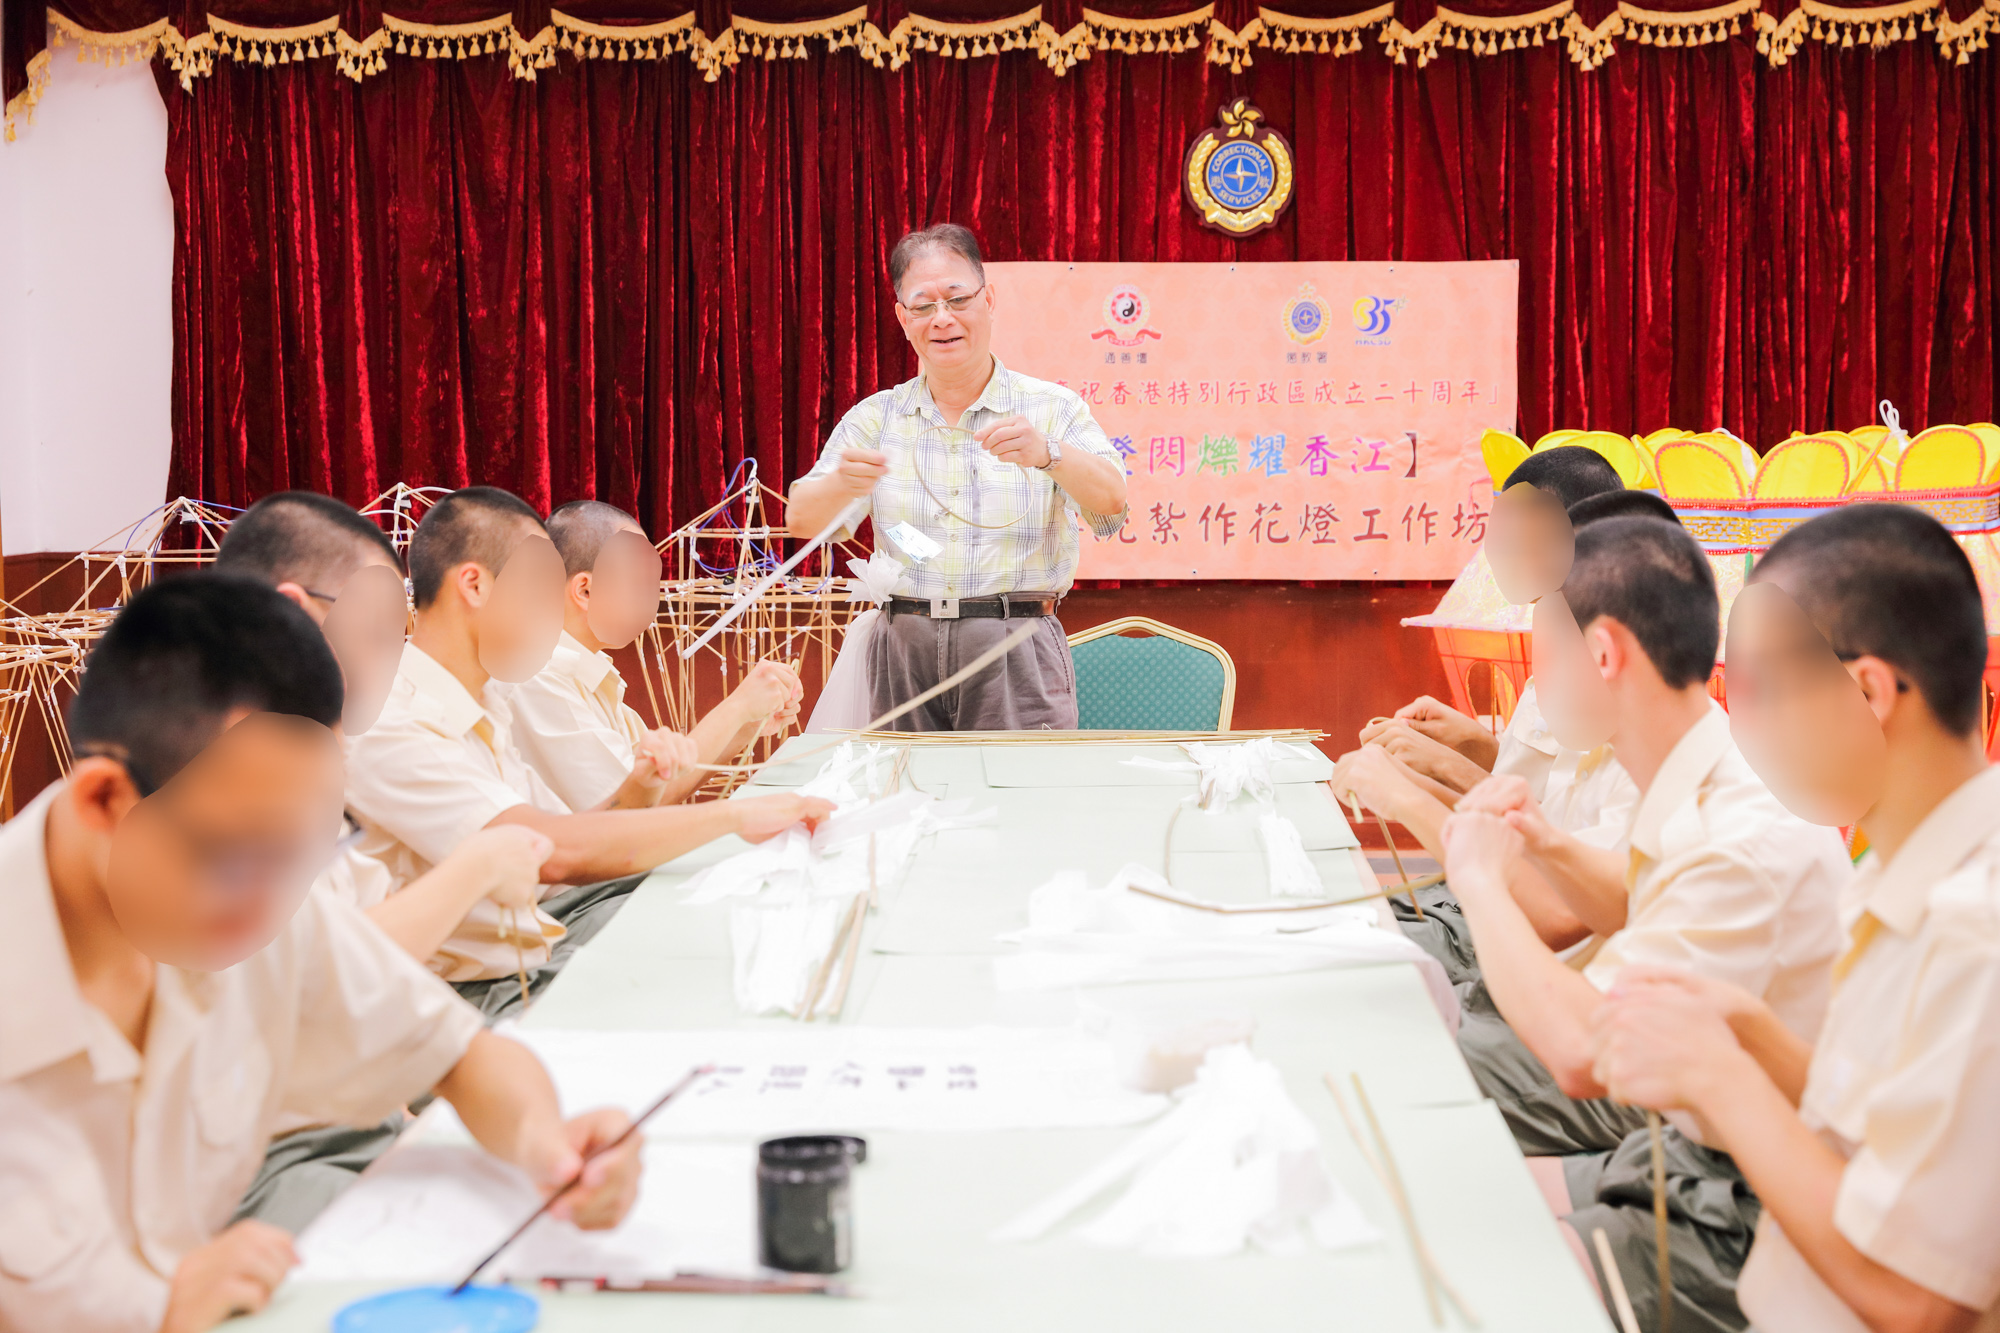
{"x": 1136, "y": 674}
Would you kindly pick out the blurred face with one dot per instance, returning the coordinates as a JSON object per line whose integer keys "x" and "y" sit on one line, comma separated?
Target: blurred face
{"x": 945, "y": 339}
{"x": 1576, "y": 701}
{"x": 364, "y": 626}
{"x": 1796, "y": 713}
{"x": 1529, "y": 543}
{"x": 207, "y": 870}
{"x": 622, "y": 590}
{"x": 518, "y": 609}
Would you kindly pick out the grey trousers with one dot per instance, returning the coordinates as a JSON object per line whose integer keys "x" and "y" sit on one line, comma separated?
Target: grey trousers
{"x": 1032, "y": 688}
{"x": 1711, "y": 1220}
{"x": 306, "y": 1171}
{"x": 1546, "y": 1121}
{"x": 583, "y": 911}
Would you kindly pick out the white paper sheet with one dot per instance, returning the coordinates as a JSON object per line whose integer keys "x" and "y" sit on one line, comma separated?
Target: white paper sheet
{"x": 428, "y": 1211}
{"x": 797, "y": 1080}
{"x": 1079, "y": 936}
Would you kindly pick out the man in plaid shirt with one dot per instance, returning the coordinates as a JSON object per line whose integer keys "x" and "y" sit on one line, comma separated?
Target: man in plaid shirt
{"x": 976, "y": 476}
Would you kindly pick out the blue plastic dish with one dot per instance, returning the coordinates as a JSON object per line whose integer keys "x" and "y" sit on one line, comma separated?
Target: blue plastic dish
{"x": 436, "y": 1310}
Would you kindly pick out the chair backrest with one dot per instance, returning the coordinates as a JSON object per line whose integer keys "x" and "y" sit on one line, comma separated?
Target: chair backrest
{"x": 1137, "y": 674}
{"x": 1941, "y": 458}
{"x": 1502, "y": 452}
{"x": 1694, "y": 469}
{"x": 1802, "y": 467}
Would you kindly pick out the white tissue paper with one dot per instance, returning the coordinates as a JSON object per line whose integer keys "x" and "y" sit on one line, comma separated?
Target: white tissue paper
{"x": 1235, "y": 1163}
{"x": 1080, "y": 936}
{"x": 845, "y": 703}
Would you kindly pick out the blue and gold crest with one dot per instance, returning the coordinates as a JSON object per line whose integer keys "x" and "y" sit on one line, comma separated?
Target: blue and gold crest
{"x": 1306, "y": 316}
{"x": 1238, "y": 173}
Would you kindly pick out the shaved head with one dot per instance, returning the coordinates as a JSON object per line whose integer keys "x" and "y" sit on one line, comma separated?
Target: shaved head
{"x": 301, "y": 537}
{"x": 478, "y": 525}
{"x": 1889, "y": 581}
{"x": 1570, "y": 473}
{"x": 580, "y": 528}
{"x": 1651, "y": 577}
{"x": 1621, "y": 504}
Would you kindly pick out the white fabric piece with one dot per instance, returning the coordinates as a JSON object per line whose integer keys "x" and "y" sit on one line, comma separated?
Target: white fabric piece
{"x": 1224, "y": 772}
{"x": 844, "y": 701}
{"x": 1293, "y": 874}
{"x": 1236, "y": 1163}
{"x": 428, "y": 1211}
{"x": 779, "y": 944}
{"x": 790, "y": 1079}
{"x": 1079, "y": 936}
{"x": 800, "y": 885}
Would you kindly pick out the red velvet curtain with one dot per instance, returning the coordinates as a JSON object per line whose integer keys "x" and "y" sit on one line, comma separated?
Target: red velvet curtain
{"x": 621, "y": 280}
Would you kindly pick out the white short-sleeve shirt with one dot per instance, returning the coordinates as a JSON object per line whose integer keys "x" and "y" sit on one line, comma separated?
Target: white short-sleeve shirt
{"x": 1584, "y": 793}
{"x": 114, "y": 1162}
{"x": 1905, "y": 1079}
{"x": 573, "y": 726}
{"x": 1729, "y": 884}
{"x": 437, "y": 767}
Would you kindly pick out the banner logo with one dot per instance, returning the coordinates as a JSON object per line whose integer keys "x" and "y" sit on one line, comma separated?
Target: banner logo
{"x": 1372, "y": 317}
{"x": 1126, "y": 313}
{"x": 1238, "y": 173}
{"x": 1306, "y": 316}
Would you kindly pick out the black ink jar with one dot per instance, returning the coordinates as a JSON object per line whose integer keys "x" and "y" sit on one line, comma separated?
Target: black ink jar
{"x": 805, "y": 1223}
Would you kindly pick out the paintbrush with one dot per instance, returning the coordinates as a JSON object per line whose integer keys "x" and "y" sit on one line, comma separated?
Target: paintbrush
{"x": 577, "y": 1179}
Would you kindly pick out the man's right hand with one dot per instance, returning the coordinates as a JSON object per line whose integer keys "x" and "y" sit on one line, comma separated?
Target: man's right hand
{"x": 763, "y": 817}
{"x": 860, "y": 469}
{"x": 1432, "y": 758}
{"x": 1508, "y": 797}
{"x": 234, "y": 1274}
{"x": 1447, "y": 726}
{"x": 507, "y": 858}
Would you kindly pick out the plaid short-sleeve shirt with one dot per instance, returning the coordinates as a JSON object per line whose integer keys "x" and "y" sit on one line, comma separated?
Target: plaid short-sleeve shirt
{"x": 946, "y": 486}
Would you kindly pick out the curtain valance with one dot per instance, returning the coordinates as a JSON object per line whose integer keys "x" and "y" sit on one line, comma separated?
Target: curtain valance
{"x": 716, "y": 37}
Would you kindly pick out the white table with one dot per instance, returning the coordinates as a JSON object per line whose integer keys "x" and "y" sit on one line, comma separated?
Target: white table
{"x": 924, "y": 1203}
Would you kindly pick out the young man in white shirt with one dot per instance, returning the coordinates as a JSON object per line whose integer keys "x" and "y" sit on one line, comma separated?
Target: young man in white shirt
{"x": 310, "y": 547}
{"x": 571, "y": 721}
{"x": 1872, "y": 1149}
{"x": 1586, "y": 794}
{"x": 178, "y": 989}
{"x": 441, "y": 763}
{"x": 1715, "y": 876}
{"x": 320, "y": 554}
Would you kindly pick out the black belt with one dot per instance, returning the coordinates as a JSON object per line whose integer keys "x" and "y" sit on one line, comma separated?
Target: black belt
{"x": 1006, "y": 606}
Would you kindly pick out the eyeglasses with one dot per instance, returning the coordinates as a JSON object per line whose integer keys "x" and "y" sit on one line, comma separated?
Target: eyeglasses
{"x": 954, "y": 303}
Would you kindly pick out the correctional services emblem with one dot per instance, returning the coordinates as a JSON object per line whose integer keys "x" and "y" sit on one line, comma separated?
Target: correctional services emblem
{"x": 1126, "y": 314}
{"x": 1306, "y": 316}
{"x": 1238, "y": 173}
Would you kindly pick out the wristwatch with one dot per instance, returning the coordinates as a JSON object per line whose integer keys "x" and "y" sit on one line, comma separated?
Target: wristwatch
{"x": 1055, "y": 456}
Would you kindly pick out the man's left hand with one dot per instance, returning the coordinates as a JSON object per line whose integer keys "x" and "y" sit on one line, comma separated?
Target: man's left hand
{"x": 1014, "y": 440}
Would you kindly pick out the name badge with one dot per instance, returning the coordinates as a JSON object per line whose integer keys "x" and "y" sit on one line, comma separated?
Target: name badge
{"x": 913, "y": 543}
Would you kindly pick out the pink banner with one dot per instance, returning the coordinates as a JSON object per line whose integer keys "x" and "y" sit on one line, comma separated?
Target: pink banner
{"x": 1279, "y": 421}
